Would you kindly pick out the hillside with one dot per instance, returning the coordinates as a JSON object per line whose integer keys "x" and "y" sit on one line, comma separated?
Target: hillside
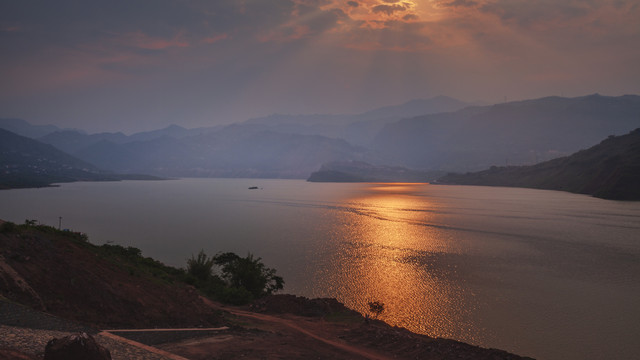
{"x": 609, "y": 170}
{"x": 61, "y": 273}
{"x": 25, "y": 162}
{"x": 360, "y": 171}
{"x": 514, "y": 133}
{"x": 115, "y": 287}
{"x": 23, "y": 128}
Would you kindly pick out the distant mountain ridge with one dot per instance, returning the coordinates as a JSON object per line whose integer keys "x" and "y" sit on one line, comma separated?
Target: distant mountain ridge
{"x": 358, "y": 129}
{"x": 294, "y": 146}
{"x": 417, "y": 107}
{"x": 276, "y": 146}
{"x": 609, "y": 170}
{"x": 21, "y": 127}
{"x": 25, "y": 162}
{"x": 515, "y": 133}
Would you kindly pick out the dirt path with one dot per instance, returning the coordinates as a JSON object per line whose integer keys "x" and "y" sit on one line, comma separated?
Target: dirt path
{"x": 266, "y": 336}
{"x": 294, "y": 325}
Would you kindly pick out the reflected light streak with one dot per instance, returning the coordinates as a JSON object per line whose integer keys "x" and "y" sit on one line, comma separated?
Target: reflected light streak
{"x": 401, "y": 264}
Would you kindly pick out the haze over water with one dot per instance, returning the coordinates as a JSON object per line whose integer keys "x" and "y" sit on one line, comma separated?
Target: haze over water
{"x": 545, "y": 274}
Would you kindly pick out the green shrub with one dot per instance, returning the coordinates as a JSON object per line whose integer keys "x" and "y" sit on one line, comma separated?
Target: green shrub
{"x": 241, "y": 280}
{"x": 201, "y": 266}
{"x": 235, "y": 296}
{"x": 248, "y": 273}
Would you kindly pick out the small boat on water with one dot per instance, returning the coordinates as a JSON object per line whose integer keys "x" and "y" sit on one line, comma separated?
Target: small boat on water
{"x": 253, "y": 188}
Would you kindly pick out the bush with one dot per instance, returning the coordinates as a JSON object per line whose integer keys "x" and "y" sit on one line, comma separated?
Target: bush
{"x": 200, "y": 267}
{"x": 376, "y": 308}
{"x": 248, "y": 273}
{"x": 241, "y": 280}
{"x": 235, "y": 296}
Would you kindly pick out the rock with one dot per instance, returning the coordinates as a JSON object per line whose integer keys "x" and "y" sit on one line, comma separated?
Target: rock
{"x": 80, "y": 346}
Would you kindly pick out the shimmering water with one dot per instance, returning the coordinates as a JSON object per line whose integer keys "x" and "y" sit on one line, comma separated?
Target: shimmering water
{"x": 539, "y": 273}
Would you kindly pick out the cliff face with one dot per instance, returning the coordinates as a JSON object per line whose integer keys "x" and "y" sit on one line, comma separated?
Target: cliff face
{"x": 609, "y": 170}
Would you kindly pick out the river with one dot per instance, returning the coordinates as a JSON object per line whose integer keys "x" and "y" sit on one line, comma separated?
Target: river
{"x": 545, "y": 274}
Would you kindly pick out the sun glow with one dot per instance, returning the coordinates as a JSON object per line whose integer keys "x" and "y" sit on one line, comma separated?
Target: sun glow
{"x": 377, "y": 13}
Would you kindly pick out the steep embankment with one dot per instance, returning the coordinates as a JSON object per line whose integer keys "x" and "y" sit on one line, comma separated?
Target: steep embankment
{"x": 609, "y": 170}
{"x": 61, "y": 273}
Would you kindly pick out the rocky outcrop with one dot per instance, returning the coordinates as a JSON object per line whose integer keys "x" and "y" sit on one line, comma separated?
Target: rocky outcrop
{"x": 80, "y": 346}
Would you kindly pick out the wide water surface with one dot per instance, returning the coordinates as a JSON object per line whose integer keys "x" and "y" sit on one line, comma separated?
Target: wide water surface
{"x": 545, "y": 274}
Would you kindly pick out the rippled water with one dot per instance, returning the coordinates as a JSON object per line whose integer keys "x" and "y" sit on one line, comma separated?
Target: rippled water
{"x": 539, "y": 273}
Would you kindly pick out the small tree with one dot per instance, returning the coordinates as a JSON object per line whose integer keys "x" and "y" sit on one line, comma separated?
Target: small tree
{"x": 201, "y": 266}
{"x": 376, "y": 308}
{"x": 248, "y": 273}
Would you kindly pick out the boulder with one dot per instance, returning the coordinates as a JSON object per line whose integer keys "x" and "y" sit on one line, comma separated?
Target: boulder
{"x": 80, "y": 346}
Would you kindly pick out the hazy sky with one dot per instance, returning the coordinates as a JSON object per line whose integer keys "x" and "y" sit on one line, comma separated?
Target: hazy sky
{"x": 143, "y": 64}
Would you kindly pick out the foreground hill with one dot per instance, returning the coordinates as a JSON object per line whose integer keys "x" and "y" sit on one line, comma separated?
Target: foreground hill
{"x": 111, "y": 286}
{"x": 25, "y": 162}
{"x": 514, "y": 133}
{"x": 60, "y": 272}
{"x": 609, "y": 170}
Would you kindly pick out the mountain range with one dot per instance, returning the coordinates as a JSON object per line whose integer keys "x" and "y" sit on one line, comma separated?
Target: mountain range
{"x": 431, "y": 135}
{"x": 514, "y": 133}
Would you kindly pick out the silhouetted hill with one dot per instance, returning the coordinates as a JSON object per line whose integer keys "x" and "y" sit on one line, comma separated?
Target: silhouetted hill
{"x": 360, "y": 171}
{"x": 25, "y": 162}
{"x": 609, "y": 170}
{"x": 518, "y": 133}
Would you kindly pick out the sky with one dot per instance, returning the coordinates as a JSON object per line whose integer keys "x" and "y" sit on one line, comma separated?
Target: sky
{"x": 137, "y": 65}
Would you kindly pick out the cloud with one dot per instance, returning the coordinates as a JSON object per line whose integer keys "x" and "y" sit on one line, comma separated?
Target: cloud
{"x": 459, "y": 3}
{"x": 527, "y": 13}
{"x": 388, "y": 9}
{"x": 208, "y": 60}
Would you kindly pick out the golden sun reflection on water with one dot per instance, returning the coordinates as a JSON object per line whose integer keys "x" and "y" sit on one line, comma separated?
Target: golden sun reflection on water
{"x": 393, "y": 258}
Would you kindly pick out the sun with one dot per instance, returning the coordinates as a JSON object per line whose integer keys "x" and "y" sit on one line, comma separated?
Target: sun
{"x": 375, "y": 13}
